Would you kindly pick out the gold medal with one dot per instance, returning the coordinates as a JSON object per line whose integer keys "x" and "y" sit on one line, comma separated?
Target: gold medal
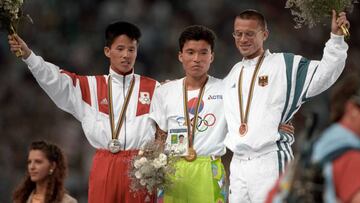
{"x": 243, "y": 129}
{"x": 191, "y": 154}
{"x": 191, "y": 131}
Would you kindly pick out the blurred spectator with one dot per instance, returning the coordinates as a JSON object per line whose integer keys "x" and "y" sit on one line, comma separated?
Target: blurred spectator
{"x": 44, "y": 179}
{"x": 328, "y": 170}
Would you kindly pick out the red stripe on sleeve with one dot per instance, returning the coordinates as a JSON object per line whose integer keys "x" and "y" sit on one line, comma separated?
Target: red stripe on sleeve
{"x": 102, "y": 94}
{"x": 146, "y": 91}
{"x": 84, "y": 85}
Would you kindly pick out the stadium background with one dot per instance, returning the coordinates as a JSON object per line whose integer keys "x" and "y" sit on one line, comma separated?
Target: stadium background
{"x": 70, "y": 34}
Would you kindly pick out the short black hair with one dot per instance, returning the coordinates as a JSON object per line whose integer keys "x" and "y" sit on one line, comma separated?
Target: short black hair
{"x": 197, "y": 32}
{"x": 121, "y": 28}
{"x": 254, "y": 15}
{"x": 346, "y": 89}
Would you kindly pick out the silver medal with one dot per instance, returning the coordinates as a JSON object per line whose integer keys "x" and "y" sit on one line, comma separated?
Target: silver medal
{"x": 114, "y": 146}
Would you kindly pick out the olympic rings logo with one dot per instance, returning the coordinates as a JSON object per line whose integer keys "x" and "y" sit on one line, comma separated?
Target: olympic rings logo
{"x": 204, "y": 123}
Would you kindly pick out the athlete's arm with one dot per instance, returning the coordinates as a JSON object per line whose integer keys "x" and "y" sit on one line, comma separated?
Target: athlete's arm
{"x": 160, "y": 135}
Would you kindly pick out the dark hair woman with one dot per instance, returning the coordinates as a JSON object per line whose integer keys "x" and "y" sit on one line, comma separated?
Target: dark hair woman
{"x": 44, "y": 179}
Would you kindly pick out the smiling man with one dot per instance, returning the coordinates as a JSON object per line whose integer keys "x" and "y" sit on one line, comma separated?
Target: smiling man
{"x": 185, "y": 107}
{"x": 113, "y": 109}
{"x": 265, "y": 90}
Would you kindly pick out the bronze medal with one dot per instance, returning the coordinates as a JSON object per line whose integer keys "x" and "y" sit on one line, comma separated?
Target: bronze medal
{"x": 243, "y": 129}
{"x": 244, "y": 113}
{"x": 191, "y": 154}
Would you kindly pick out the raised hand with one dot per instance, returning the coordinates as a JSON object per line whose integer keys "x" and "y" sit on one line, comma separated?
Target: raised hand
{"x": 340, "y": 25}
{"x": 17, "y": 45}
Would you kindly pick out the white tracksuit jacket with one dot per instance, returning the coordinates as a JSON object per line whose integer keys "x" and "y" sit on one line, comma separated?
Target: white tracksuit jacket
{"x": 86, "y": 98}
{"x": 167, "y": 110}
{"x": 291, "y": 80}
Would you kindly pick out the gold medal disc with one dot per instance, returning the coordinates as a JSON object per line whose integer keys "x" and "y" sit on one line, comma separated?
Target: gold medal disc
{"x": 191, "y": 155}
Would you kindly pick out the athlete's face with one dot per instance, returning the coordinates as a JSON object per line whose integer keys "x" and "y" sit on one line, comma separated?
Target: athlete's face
{"x": 196, "y": 57}
{"x": 122, "y": 54}
{"x": 249, "y": 37}
{"x": 39, "y": 166}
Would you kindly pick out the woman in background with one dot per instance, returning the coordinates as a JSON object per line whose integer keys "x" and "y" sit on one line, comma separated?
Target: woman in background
{"x": 44, "y": 179}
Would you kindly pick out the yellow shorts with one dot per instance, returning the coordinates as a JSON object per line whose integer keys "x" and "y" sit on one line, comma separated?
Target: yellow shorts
{"x": 202, "y": 180}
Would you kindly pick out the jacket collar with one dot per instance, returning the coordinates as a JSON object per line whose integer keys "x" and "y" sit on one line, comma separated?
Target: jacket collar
{"x": 120, "y": 78}
{"x": 252, "y": 62}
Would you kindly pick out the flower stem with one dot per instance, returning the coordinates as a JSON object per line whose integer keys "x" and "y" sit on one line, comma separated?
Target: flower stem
{"x": 13, "y": 32}
{"x": 345, "y": 31}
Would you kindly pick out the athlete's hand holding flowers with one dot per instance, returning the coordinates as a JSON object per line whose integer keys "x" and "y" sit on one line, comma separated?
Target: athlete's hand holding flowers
{"x": 340, "y": 25}
{"x": 18, "y": 45}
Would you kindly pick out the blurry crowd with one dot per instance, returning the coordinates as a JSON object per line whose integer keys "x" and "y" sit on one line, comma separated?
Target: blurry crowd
{"x": 70, "y": 34}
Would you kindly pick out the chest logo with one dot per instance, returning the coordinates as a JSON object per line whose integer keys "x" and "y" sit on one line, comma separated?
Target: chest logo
{"x": 104, "y": 102}
{"x": 212, "y": 97}
{"x": 144, "y": 98}
{"x": 263, "y": 80}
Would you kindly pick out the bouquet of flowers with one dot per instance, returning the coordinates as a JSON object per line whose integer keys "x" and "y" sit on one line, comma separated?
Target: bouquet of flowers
{"x": 151, "y": 169}
{"x": 312, "y": 12}
{"x": 10, "y": 14}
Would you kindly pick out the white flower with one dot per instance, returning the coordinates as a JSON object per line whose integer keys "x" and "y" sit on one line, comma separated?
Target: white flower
{"x": 157, "y": 163}
{"x": 141, "y": 152}
{"x": 160, "y": 161}
{"x": 138, "y": 175}
{"x": 143, "y": 160}
{"x": 142, "y": 182}
{"x": 163, "y": 163}
{"x": 137, "y": 164}
{"x": 140, "y": 162}
{"x": 162, "y": 157}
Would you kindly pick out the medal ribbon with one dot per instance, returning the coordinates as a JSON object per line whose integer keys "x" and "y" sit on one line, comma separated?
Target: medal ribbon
{"x": 187, "y": 118}
{"x": 115, "y": 135}
{"x": 244, "y": 118}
